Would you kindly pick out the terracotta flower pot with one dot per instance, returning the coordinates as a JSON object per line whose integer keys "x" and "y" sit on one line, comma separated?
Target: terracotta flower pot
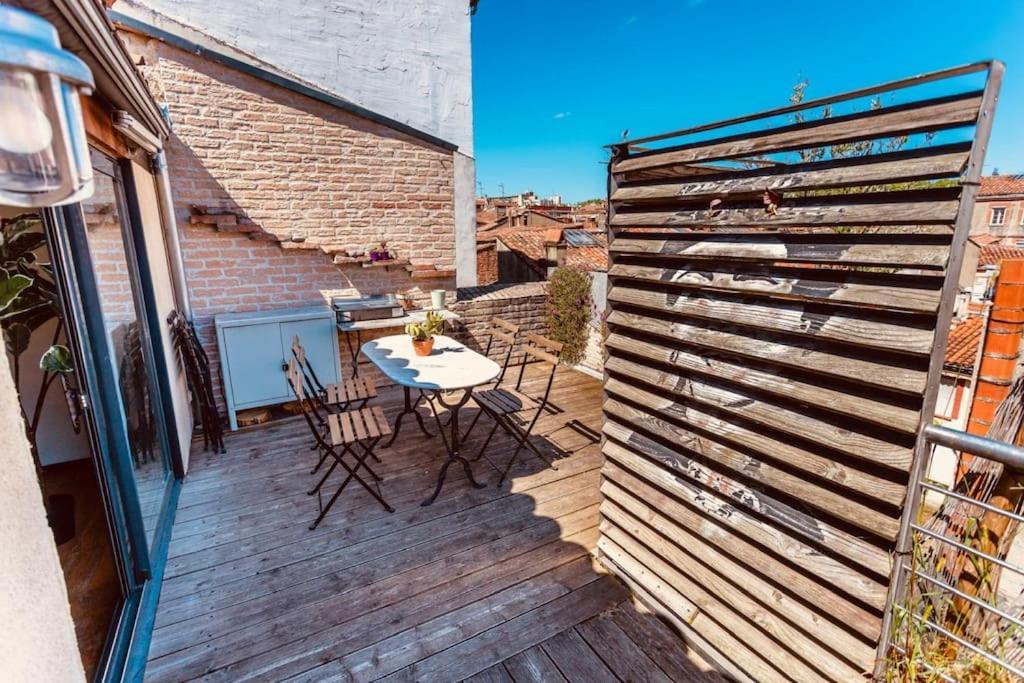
{"x": 423, "y": 347}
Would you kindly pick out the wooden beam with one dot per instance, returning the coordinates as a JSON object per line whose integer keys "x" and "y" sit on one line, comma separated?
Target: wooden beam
{"x": 813, "y": 285}
{"x": 789, "y": 317}
{"x": 933, "y": 162}
{"x": 873, "y": 249}
{"x": 799, "y": 354}
{"x": 774, "y": 380}
{"x": 927, "y": 115}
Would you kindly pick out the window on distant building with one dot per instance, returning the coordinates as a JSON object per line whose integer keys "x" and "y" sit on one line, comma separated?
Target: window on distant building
{"x": 998, "y": 215}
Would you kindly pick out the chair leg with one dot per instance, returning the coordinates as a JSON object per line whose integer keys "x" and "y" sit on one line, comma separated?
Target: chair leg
{"x": 487, "y": 441}
{"x": 352, "y": 474}
{"x": 522, "y": 436}
{"x": 476, "y": 418}
{"x": 323, "y": 478}
{"x": 320, "y": 462}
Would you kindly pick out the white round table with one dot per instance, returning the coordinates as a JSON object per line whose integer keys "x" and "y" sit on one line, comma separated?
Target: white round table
{"x": 451, "y": 366}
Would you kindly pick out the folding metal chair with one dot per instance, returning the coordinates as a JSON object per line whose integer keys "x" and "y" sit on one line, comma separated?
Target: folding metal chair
{"x": 362, "y": 428}
{"x": 504, "y": 404}
{"x": 504, "y": 331}
{"x": 349, "y": 393}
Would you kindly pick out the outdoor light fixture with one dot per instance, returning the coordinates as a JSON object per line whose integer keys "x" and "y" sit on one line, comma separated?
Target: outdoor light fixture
{"x": 44, "y": 156}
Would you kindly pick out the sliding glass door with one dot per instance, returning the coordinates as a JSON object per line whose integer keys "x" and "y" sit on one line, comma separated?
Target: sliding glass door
{"x": 104, "y": 294}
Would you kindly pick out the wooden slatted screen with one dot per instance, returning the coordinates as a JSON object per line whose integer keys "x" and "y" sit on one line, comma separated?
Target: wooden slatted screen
{"x": 779, "y": 304}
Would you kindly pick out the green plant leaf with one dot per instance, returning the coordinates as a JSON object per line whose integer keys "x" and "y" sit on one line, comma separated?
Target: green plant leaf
{"x": 10, "y": 287}
{"x": 16, "y": 337}
{"x": 56, "y": 359}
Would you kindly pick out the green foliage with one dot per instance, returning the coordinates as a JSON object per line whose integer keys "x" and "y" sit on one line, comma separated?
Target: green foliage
{"x": 56, "y": 359}
{"x": 426, "y": 329}
{"x": 28, "y": 297}
{"x": 569, "y": 311}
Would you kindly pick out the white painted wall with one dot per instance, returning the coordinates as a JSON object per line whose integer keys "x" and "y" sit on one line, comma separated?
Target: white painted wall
{"x": 37, "y": 635}
{"x": 407, "y": 59}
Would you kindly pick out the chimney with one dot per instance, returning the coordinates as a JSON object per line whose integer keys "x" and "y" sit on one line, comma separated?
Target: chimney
{"x": 554, "y": 249}
{"x": 1001, "y": 350}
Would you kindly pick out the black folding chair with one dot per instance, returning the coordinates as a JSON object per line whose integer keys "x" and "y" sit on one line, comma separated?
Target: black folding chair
{"x": 505, "y": 405}
{"x": 363, "y": 427}
{"x": 502, "y": 330}
{"x": 343, "y": 395}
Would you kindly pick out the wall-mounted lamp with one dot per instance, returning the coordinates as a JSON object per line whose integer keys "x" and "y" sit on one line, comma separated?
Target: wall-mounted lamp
{"x": 44, "y": 154}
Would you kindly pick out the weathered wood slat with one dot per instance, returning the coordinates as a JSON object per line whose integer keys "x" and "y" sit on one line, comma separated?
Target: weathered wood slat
{"x": 732, "y": 604}
{"x": 790, "y": 317}
{"x": 807, "y": 212}
{"x": 864, "y": 446}
{"x": 834, "y": 286}
{"x": 739, "y": 647}
{"x": 776, "y": 381}
{"x": 759, "y": 346}
{"x": 784, "y": 450}
{"x": 801, "y": 525}
{"x": 843, "y": 248}
{"x": 927, "y": 115}
{"x": 791, "y": 548}
{"x": 826, "y": 499}
{"x": 660, "y": 603}
{"x": 936, "y": 162}
{"x": 719, "y": 540}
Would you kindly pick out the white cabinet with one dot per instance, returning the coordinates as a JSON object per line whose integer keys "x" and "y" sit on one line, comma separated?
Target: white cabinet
{"x": 255, "y": 349}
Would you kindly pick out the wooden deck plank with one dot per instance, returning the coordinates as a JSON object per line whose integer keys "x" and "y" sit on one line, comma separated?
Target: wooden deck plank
{"x": 574, "y": 658}
{"x": 480, "y": 576}
{"x": 533, "y": 666}
{"x": 618, "y": 652}
{"x": 526, "y": 630}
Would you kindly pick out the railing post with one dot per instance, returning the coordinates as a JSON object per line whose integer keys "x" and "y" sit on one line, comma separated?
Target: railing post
{"x": 962, "y": 226}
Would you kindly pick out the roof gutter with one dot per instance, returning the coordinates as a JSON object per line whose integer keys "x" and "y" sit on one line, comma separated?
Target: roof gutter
{"x": 166, "y": 36}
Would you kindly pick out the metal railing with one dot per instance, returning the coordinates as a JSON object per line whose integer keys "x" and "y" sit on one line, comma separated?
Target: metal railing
{"x": 951, "y": 621}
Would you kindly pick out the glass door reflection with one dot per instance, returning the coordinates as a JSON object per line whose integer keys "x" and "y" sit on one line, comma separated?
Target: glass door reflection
{"x": 114, "y": 264}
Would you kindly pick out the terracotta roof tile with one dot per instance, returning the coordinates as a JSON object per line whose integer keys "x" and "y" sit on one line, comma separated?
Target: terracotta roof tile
{"x": 962, "y": 347}
{"x": 992, "y": 254}
{"x": 529, "y": 244}
{"x": 995, "y": 185}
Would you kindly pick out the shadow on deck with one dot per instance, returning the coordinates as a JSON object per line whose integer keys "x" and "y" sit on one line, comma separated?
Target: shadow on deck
{"x": 493, "y": 584}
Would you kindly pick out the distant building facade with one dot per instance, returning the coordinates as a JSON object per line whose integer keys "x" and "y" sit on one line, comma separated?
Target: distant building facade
{"x": 999, "y": 210}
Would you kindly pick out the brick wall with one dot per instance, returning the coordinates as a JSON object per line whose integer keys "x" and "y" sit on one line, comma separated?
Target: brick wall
{"x": 486, "y": 264}
{"x": 297, "y": 170}
{"x": 522, "y": 305}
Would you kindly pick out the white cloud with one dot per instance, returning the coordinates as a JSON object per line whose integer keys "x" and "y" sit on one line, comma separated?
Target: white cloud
{"x": 563, "y": 115}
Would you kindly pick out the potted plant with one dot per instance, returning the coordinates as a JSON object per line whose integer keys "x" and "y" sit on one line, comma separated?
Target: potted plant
{"x": 407, "y": 301}
{"x": 423, "y": 333}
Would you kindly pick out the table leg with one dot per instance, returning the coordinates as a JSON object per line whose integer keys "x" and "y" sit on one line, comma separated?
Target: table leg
{"x": 407, "y": 409}
{"x": 451, "y": 444}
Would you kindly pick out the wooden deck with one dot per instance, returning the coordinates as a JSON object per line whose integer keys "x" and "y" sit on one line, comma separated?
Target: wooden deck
{"x": 494, "y": 584}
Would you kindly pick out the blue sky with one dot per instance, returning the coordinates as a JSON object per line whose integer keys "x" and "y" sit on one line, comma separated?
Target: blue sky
{"x": 553, "y": 81}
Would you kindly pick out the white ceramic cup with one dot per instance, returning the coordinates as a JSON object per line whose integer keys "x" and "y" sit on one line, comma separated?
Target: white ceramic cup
{"x": 437, "y": 299}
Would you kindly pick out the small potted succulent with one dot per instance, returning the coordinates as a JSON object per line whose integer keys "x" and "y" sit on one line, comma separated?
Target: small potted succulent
{"x": 423, "y": 333}
{"x": 406, "y": 300}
